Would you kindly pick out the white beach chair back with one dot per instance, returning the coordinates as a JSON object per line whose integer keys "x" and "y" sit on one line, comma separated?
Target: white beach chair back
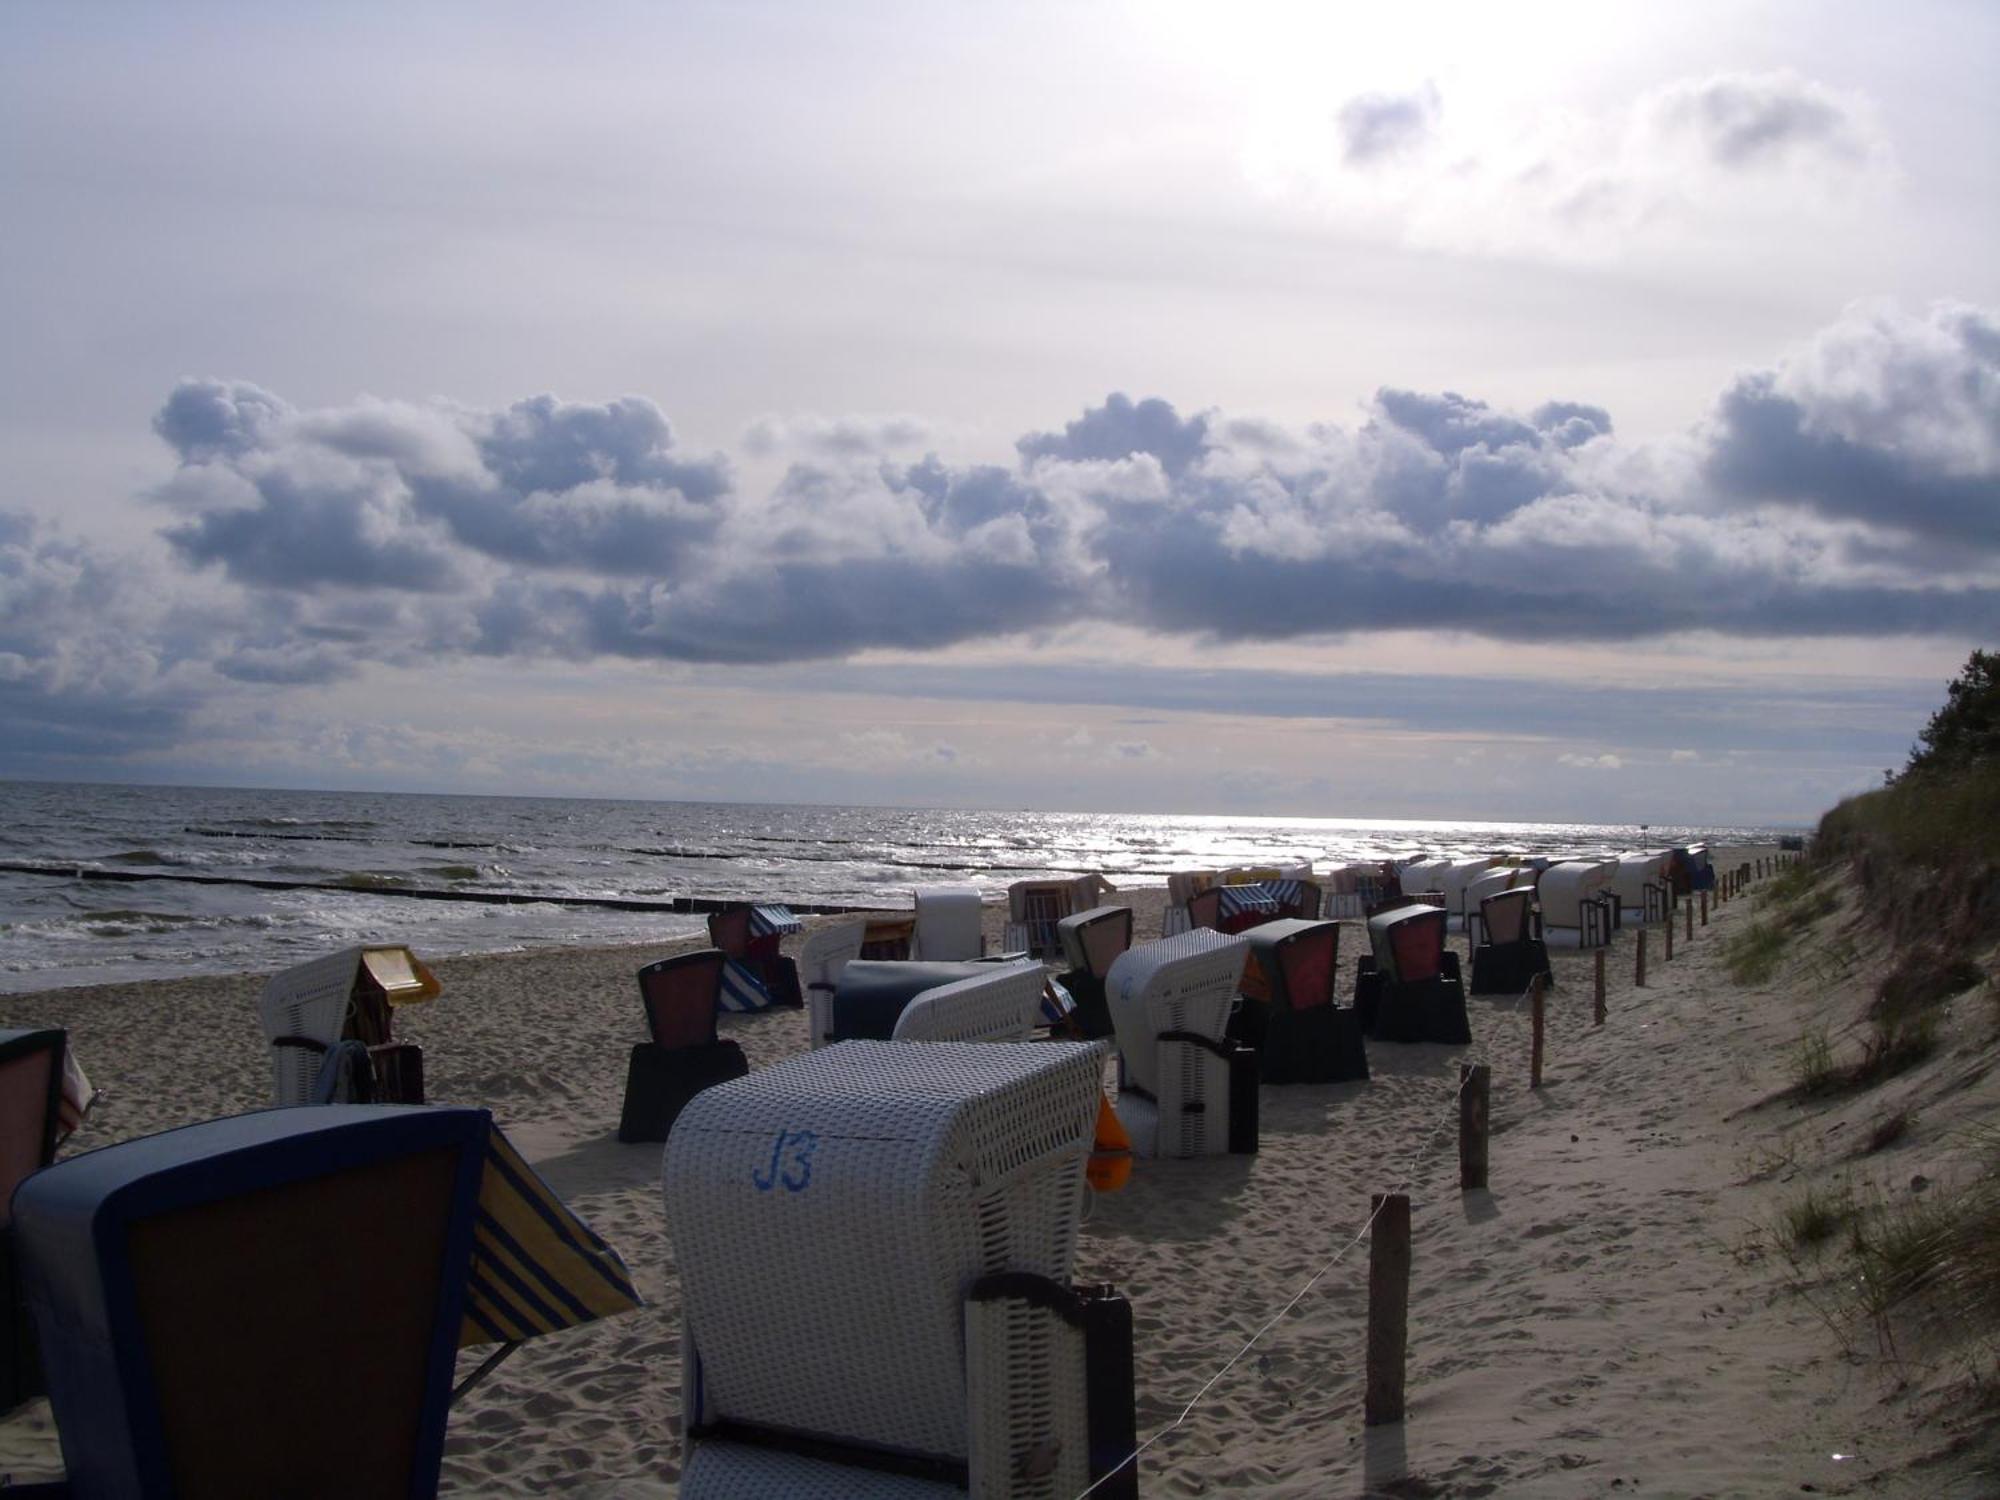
{"x": 1566, "y": 886}
{"x": 308, "y": 1001}
{"x": 823, "y": 955}
{"x": 1186, "y": 983}
{"x": 829, "y": 1215}
{"x": 999, "y": 1007}
{"x": 948, "y": 923}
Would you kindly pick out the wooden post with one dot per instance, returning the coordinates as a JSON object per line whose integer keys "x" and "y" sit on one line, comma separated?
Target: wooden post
{"x": 1668, "y": 956}
{"x": 1475, "y": 1093}
{"x": 1597, "y": 1005}
{"x": 1388, "y": 1308}
{"x": 1687, "y": 921}
{"x": 1535, "y": 1057}
{"x": 1639, "y": 962}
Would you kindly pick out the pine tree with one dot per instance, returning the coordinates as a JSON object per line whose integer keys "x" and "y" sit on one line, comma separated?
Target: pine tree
{"x": 1966, "y": 731}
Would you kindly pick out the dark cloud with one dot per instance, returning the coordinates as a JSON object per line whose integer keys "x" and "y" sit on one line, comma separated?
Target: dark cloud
{"x": 205, "y": 419}
{"x": 1375, "y": 126}
{"x": 1853, "y": 485}
{"x": 1886, "y": 420}
{"x": 1764, "y": 120}
{"x": 1119, "y": 429}
{"x": 403, "y": 498}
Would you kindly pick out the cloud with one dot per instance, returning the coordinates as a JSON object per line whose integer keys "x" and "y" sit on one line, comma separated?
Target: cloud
{"x": 835, "y": 437}
{"x": 1697, "y": 167}
{"x": 1605, "y": 762}
{"x": 1851, "y": 483}
{"x": 1767, "y": 121}
{"x": 388, "y": 496}
{"x": 1376, "y": 126}
{"x": 1121, "y": 428}
{"x": 1884, "y": 418}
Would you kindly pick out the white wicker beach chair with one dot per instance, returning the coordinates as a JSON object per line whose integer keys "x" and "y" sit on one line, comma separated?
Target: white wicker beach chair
{"x": 304, "y": 1009}
{"x": 948, "y": 923}
{"x": 823, "y": 955}
{"x": 1576, "y": 898}
{"x": 999, "y": 1007}
{"x": 1170, "y": 1002}
{"x": 874, "y": 1244}
{"x": 1641, "y": 884}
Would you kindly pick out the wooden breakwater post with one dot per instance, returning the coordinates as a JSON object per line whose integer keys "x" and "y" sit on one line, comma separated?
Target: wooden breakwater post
{"x": 1597, "y": 1000}
{"x": 1668, "y": 956}
{"x": 1538, "y": 1006}
{"x": 1639, "y": 962}
{"x": 1388, "y": 1307}
{"x": 1475, "y": 1096}
{"x": 1704, "y": 908}
{"x": 1687, "y": 919}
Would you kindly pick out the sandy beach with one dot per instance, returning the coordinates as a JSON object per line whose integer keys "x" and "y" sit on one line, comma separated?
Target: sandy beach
{"x": 1612, "y": 1317}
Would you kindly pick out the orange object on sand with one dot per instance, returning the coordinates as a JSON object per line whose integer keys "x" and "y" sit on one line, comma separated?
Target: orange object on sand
{"x": 1111, "y": 1152}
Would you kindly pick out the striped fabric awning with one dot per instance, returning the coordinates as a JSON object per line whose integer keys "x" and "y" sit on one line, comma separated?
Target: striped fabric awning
{"x": 774, "y": 921}
{"x": 1057, "y": 1002}
{"x": 1238, "y": 899}
{"x": 743, "y": 990}
{"x": 536, "y": 1267}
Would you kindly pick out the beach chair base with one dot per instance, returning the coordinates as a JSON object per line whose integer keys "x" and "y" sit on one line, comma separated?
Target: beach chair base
{"x": 399, "y": 1073}
{"x": 1432, "y": 1010}
{"x": 1507, "y": 968}
{"x": 1320, "y": 1045}
{"x": 659, "y": 1082}
{"x": 1092, "y": 1015}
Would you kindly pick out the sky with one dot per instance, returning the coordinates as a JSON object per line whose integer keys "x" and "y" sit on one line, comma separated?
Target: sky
{"x": 1549, "y": 411}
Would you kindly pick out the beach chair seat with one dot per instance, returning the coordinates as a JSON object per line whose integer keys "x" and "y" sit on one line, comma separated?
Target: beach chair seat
{"x": 1510, "y": 952}
{"x": 1091, "y": 942}
{"x": 874, "y": 1243}
{"x": 351, "y": 995}
{"x": 1186, "y": 1089}
{"x": 950, "y": 924}
{"x": 1408, "y": 989}
{"x": 682, "y": 1054}
{"x": 1000, "y": 1005}
{"x": 1289, "y": 1014}
{"x": 825, "y": 952}
{"x": 755, "y": 947}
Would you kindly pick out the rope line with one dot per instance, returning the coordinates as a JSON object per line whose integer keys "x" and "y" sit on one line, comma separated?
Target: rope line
{"x": 1409, "y": 1176}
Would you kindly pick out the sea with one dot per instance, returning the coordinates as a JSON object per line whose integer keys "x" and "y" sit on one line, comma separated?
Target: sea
{"x": 103, "y": 884}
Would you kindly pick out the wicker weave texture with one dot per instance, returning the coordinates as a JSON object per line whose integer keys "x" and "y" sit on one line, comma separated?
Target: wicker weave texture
{"x": 742, "y": 1471}
{"x": 1183, "y": 983}
{"x": 1030, "y": 1403}
{"x": 1000, "y": 1007}
{"x": 1564, "y": 887}
{"x": 828, "y": 1214}
{"x": 309, "y": 1000}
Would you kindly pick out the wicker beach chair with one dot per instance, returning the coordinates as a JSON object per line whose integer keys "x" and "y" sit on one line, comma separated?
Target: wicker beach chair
{"x": 1001, "y": 1005}
{"x": 1641, "y": 883}
{"x": 1579, "y": 907}
{"x": 682, "y": 1054}
{"x": 1091, "y": 942}
{"x": 1186, "y": 1090}
{"x": 1510, "y": 951}
{"x": 1408, "y": 989}
{"x": 1288, "y": 1012}
{"x": 949, "y": 924}
{"x": 347, "y": 996}
{"x": 874, "y": 1244}
{"x": 823, "y": 955}
{"x": 179, "y": 1364}
{"x": 753, "y": 944}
